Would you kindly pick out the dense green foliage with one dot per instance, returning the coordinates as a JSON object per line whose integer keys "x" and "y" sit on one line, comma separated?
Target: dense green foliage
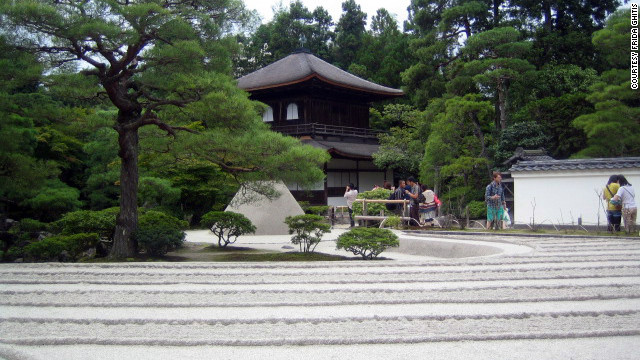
{"x": 367, "y": 242}
{"x": 102, "y": 222}
{"x": 61, "y": 247}
{"x": 119, "y": 78}
{"x": 159, "y": 233}
{"x": 307, "y": 230}
{"x": 227, "y": 226}
{"x": 477, "y": 210}
{"x": 372, "y": 208}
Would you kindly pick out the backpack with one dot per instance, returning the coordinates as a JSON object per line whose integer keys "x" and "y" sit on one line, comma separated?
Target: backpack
{"x": 392, "y": 207}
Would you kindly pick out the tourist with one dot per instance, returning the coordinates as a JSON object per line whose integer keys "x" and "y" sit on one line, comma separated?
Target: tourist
{"x": 386, "y": 185}
{"x": 614, "y": 211}
{"x": 350, "y": 194}
{"x": 496, "y": 203}
{"x": 414, "y": 195}
{"x": 399, "y": 192}
{"x": 629, "y": 207}
{"x": 428, "y": 205}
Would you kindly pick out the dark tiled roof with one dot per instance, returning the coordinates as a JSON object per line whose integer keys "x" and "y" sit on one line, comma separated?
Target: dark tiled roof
{"x": 301, "y": 66}
{"x": 577, "y": 164}
{"x": 528, "y": 155}
{"x": 346, "y": 149}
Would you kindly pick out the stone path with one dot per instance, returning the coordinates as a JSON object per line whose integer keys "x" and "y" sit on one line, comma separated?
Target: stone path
{"x": 568, "y": 297}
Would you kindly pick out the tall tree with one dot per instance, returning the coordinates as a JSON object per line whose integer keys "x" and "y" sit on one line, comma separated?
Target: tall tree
{"x": 20, "y": 172}
{"x": 440, "y": 28}
{"x": 291, "y": 28}
{"x": 496, "y": 59}
{"x": 349, "y": 32}
{"x": 383, "y": 54}
{"x": 402, "y": 147}
{"x": 613, "y": 128}
{"x": 456, "y": 151}
{"x": 160, "y": 63}
{"x": 562, "y": 28}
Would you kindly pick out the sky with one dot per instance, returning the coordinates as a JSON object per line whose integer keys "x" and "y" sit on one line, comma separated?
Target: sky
{"x": 334, "y": 7}
{"x": 395, "y": 7}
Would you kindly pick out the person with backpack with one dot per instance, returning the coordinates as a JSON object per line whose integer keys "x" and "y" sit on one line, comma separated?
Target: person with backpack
{"x": 614, "y": 211}
{"x": 627, "y": 196}
{"x": 413, "y": 194}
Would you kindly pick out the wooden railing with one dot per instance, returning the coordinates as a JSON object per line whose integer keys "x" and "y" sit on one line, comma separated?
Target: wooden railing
{"x": 323, "y": 129}
{"x": 382, "y": 217}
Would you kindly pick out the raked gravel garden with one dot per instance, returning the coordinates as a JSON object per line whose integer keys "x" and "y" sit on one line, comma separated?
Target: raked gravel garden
{"x": 488, "y": 296}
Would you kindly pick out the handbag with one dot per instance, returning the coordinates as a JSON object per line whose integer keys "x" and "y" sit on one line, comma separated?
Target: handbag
{"x": 615, "y": 203}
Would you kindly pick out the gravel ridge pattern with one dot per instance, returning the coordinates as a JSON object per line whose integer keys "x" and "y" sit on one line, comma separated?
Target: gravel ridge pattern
{"x": 580, "y": 293}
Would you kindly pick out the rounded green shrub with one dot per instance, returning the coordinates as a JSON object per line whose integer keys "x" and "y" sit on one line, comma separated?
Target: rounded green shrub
{"x": 159, "y": 233}
{"x": 102, "y": 222}
{"x": 372, "y": 209}
{"x": 227, "y": 226}
{"x": 477, "y": 210}
{"x": 52, "y": 248}
{"x": 307, "y": 230}
{"x": 367, "y": 242}
{"x": 394, "y": 222}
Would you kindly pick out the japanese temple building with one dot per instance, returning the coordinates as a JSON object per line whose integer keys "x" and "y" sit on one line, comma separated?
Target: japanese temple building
{"x": 327, "y": 108}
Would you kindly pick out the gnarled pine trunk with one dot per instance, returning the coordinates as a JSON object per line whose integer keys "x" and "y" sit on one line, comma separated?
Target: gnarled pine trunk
{"x": 124, "y": 245}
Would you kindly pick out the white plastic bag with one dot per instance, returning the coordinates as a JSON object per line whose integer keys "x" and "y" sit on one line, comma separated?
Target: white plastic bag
{"x": 506, "y": 219}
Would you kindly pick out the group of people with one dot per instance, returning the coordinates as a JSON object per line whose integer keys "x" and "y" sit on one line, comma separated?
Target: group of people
{"x": 423, "y": 202}
{"x": 621, "y": 204}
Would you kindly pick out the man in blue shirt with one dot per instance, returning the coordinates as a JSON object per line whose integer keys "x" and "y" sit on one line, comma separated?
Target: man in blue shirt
{"x": 496, "y": 203}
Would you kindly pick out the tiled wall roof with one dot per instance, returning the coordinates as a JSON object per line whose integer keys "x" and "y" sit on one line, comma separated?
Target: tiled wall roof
{"x": 577, "y": 164}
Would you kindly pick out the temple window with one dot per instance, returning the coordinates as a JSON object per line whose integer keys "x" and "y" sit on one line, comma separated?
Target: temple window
{"x": 267, "y": 116}
{"x": 292, "y": 112}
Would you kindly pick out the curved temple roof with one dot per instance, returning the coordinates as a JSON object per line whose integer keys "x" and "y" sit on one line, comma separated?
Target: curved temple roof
{"x": 302, "y": 66}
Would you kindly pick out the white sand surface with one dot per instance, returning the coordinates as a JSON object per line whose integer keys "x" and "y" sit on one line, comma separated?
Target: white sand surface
{"x": 536, "y": 298}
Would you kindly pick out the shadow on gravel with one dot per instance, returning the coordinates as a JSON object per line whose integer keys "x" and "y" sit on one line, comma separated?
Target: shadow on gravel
{"x": 213, "y": 253}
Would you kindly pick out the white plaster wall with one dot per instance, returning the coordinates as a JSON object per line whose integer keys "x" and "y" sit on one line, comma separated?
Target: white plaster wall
{"x": 563, "y": 196}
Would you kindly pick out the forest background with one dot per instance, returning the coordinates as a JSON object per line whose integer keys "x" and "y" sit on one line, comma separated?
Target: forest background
{"x": 481, "y": 78}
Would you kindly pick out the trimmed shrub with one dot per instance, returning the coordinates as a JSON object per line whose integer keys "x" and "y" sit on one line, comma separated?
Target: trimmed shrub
{"x": 372, "y": 209}
{"x": 367, "y": 242}
{"x": 53, "y": 247}
{"x": 227, "y": 225}
{"x": 394, "y": 222}
{"x": 317, "y": 210}
{"x": 159, "y": 233}
{"x": 102, "y": 222}
{"x": 477, "y": 210}
{"x": 304, "y": 205}
{"x": 308, "y": 230}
